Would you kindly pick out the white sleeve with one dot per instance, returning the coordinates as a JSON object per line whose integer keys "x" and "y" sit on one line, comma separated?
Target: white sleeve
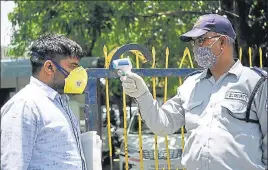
{"x": 18, "y": 134}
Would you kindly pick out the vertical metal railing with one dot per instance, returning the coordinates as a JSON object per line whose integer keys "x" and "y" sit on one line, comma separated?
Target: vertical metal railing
{"x": 139, "y": 121}
{"x": 250, "y": 56}
{"x": 260, "y": 52}
{"x": 154, "y": 96}
{"x": 125, "y": 129}
{"x": 165, "y": 99}
{"x": 108, "y": 108}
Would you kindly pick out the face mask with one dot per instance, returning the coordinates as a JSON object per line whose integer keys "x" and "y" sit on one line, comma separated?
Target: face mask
{"x": 205, "y": 57}
{"x": 75, "y": 81}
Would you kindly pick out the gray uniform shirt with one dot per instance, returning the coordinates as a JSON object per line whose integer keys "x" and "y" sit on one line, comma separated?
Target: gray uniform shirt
{"x": 39, "y": 131}
{"x": 214, "y": 140}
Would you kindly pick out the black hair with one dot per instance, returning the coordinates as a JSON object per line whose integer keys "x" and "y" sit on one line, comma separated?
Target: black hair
{"x": 52, "y": 46}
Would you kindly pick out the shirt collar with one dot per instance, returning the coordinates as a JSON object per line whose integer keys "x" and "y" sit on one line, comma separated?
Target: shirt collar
{"x": 236, "y": 69}
{"x": 48, "y": 91}
{"x": 205, "y": 74}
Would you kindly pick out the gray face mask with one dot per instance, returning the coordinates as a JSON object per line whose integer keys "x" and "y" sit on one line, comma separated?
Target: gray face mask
{"x": 204, "y": 56}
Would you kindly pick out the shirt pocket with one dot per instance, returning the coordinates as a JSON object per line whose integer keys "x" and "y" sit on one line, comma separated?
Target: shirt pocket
{"x": 233, "y": 115}
{"x": 235, "y": 109}
{"x": 193, "y": 112}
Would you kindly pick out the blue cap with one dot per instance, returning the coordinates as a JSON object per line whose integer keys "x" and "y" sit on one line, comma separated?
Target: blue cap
{"x": 209, "y": 22}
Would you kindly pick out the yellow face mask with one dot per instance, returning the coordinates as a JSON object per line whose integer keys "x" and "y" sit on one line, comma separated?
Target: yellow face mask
{"x": 76, "y": 81}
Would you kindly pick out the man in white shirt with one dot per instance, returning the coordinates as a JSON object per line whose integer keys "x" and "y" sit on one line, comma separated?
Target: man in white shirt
{"x": 38, "y": 128}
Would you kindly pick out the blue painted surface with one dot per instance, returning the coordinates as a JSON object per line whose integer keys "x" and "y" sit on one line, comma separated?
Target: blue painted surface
{"x": 90, "y": 100}
{"x": 159, "y": 72}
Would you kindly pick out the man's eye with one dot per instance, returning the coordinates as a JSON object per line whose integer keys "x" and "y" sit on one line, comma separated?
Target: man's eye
{"x": 73, "y": 66}
{"x": 200, "y": 41}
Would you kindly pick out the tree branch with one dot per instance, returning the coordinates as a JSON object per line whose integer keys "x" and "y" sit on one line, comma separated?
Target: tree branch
{"x": 172, "y": 13}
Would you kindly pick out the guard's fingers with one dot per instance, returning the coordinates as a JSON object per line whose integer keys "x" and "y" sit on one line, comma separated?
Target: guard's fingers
{"x": 133, "y": 76}
{"x": 120, "y": 73}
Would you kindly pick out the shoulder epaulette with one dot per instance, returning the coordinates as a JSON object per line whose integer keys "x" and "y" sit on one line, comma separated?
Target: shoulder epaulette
{"x": 193, "y": 73}
{"x": 260, "y": 71}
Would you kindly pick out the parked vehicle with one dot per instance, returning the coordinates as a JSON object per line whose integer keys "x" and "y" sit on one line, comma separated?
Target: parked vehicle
{"x": 117, "y": 133}
{"x": 148, "y": 152}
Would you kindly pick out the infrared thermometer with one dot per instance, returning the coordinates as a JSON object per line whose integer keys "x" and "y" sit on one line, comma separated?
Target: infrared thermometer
{"x": 124, "y": 65}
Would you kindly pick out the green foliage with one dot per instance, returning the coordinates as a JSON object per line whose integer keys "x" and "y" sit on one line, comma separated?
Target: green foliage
{"x": 258, "y": 13}
{"x": 250, "y": 19}
{"x": 94, "y": 24}
{"x": 152, "y": 23}
{"x": 81, "y": 21}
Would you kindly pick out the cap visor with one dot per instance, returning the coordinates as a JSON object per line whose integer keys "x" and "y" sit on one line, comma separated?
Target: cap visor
{"x": 196, "y": 32}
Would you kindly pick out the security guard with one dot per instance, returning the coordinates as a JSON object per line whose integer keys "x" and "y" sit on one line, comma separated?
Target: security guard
{"x": 226, "y": 126}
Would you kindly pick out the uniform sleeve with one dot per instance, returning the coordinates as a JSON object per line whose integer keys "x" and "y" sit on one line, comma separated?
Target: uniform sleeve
{"x": 262, "y": 111}
{"x": 18, "y": 133}
{"x": 163, "y": 120}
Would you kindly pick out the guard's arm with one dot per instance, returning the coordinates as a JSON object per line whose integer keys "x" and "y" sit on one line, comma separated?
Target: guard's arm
{"x": 161, "y": 120}
{"x": 166, "y": 119}
{"x": 18, "y": 134}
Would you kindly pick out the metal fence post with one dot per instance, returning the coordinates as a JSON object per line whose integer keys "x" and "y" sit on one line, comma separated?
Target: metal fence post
{"x": 91, "y": 106}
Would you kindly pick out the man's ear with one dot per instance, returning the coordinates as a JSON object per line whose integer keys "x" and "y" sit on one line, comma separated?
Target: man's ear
{"x": 49, "y": 67}
{"x": 223, "y": 42}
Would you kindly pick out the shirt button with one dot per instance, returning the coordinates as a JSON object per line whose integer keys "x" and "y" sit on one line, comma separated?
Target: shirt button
{"x": 204, "y": 164}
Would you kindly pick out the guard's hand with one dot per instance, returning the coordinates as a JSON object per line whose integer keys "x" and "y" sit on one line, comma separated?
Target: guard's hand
{"x": 133, "y": 85}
